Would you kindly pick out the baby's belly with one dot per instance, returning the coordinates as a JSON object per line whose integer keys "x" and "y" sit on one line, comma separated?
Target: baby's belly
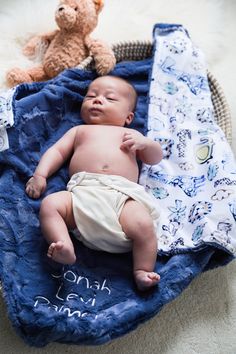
{"x": 112, "y": 164}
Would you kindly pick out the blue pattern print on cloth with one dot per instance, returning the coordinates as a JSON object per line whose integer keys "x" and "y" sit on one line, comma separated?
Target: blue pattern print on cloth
{"x": 6, "y": 117}
{"x": 196, "y": 180}
{"x": 197, "y": 234}
{"x": 160, "y": 193}
{"x": 166, "y": 145}
{"x": 212, "y": 171}
{"x": 189, "y": 185}
{"x": 232, "y": 207}
{"x": 199, "y": 210}
{"x": 178, "y": 212}
{"x": 6, "y": 112}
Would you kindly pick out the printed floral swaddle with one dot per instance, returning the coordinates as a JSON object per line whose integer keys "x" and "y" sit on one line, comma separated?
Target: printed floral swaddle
{"x": 6, "y": 117}
{"x": 195, "y": 182}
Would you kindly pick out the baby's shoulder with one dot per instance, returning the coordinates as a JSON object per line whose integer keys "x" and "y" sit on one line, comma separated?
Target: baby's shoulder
{"x": 129, "y": 130}
{"x": 76, "y": 132}
{"x": 80, "y": 128}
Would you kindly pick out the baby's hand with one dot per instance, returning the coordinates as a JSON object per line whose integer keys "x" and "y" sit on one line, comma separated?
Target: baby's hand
{"x": 133, "y": 141}
{"x": 35, "y": 186}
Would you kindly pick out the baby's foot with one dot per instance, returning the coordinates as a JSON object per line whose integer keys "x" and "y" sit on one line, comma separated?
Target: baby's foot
{"x": 146, "y": 280}
{"x": 61, "y": 253}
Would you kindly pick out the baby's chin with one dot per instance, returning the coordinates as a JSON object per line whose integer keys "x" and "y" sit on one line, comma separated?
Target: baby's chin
{"x": 97, "y": 118}
{"x": 94, "y": 121}
{"x": 93, "y": 118}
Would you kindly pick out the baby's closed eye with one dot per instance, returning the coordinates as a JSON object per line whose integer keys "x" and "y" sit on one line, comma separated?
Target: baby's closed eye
{"x": 90, "y": 96}
{"x": 111, "y": 98}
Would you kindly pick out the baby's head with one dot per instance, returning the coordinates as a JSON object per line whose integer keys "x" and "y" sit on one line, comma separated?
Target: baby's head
{"x": 110, "y": 100}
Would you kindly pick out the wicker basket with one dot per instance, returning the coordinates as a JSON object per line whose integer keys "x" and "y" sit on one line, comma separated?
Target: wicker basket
{"x": 139, "y": 50}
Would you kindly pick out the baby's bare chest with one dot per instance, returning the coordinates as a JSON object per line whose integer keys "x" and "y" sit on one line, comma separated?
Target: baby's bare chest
{"x": 99, "y": 151}
{"x": 108, "y": 138}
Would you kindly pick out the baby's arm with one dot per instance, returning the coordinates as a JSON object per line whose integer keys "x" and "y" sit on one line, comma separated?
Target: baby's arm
{"x": 148, "y": 151}
{"x": 50, "y": 162}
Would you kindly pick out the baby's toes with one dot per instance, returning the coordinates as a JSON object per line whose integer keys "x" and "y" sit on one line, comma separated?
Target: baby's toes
{"x": 51, "y": 249}
{"x": 154, "y": 276}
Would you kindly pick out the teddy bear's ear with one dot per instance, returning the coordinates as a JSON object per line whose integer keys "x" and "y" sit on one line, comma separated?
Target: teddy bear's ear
{"x": 99, "y": 5}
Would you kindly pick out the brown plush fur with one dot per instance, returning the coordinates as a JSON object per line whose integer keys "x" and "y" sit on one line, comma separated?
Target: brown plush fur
{"x": 68, "y": 46}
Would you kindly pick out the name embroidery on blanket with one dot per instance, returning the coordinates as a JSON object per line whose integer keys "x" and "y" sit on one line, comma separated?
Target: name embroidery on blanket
{"x": 79, "y": 302}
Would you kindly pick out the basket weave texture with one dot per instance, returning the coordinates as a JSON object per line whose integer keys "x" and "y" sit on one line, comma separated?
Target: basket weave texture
{"x": 140, "y": 50}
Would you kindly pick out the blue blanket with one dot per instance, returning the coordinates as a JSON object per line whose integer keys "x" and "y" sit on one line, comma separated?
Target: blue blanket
{"x": 96, "y": 299}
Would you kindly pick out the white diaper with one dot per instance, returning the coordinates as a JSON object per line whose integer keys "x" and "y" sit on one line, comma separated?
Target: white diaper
{"x": 97, "y": 204}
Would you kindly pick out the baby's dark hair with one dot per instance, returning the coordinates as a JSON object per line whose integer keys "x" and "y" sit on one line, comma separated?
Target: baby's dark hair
{"x": 134, "y": 94}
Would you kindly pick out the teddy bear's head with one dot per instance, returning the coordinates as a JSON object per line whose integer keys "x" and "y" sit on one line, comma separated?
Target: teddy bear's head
{"x": 80, "y": 16}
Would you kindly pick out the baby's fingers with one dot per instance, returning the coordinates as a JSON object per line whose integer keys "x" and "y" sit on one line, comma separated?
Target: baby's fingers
{"x": 128, "y": 145}
{"x": 127, "y": 136}
{"x": 31, "y": 192}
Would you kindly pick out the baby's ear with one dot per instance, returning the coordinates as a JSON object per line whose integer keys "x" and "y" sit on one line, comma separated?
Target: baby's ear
{"x": 129, "y": 118}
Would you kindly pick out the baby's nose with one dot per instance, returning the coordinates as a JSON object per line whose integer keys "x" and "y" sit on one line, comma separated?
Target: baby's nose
{"x": 97, "y": 100}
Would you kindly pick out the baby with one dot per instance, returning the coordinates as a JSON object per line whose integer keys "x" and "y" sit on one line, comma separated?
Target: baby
{"x": 104, "y": 203}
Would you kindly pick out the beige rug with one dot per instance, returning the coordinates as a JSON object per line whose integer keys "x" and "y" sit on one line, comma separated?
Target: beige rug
{"x": 203, "y": 319}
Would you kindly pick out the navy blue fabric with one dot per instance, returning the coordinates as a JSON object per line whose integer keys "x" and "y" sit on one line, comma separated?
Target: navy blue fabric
{"x": 95, "y": 300}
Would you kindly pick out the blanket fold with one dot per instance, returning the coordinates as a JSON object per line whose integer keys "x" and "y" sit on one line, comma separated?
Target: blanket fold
{"x": 94, "y": 300}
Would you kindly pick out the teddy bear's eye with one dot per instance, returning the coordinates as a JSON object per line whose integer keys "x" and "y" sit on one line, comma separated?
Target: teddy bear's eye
{"x": 76, "y": 8}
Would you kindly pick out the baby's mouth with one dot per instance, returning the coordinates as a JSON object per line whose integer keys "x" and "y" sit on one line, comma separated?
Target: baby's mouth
{"x": 95, "y": 110}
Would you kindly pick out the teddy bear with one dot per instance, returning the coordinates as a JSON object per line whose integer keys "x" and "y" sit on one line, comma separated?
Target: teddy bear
{"x": 67, "y": 46}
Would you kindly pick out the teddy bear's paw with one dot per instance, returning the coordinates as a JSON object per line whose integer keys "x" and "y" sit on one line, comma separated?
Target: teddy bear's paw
{"x": 105, "y": 65}
{"x": 36, "y": 48}
{"x": 17, "y": 76}
{"x": 30, "y": 48}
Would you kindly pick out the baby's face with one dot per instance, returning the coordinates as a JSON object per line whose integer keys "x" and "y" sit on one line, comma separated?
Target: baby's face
{"x": 107, "y": 102}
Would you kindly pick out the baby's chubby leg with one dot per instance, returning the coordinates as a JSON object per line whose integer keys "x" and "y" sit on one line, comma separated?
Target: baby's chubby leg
{"x": 138, "y": 225}
{"x": 56, "y": 217}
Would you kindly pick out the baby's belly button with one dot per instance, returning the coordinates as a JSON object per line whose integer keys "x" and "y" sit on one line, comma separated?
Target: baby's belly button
{"x": 105, "y": 167}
